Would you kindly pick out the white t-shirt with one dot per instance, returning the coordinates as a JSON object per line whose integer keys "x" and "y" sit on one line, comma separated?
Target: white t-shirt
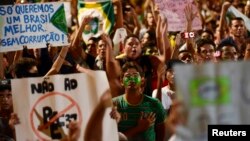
{"x": 165, "y": 98}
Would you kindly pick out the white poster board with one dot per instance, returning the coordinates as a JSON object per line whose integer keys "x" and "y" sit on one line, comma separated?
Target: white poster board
{"x": 32, "y": 25}
{"x": 45, "y": 108}
{"x": 214, "y": 94}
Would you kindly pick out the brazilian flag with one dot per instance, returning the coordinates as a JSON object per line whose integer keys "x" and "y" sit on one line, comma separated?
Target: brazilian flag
{"x": 102, "y": 13}
{"x": 59, "y": 20}
{"x": 210, "y": 91}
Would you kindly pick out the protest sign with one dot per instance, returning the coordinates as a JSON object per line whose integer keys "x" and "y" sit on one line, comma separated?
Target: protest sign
{"x": 174, "y": 12}
{"x": 47, "y": 106}
{"x": 120, "y": 35}
{"x": 32, "y": 25}
{"x": 214, "y": 94}
{"x": 67, "y": 8}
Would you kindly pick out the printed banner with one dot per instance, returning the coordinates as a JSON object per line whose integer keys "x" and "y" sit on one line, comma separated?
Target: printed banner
{"x": 32, "y": 25}
{"x": 174, "y": 12}
{"x": 47, "y": 106}
{"x": 214, "y": 94}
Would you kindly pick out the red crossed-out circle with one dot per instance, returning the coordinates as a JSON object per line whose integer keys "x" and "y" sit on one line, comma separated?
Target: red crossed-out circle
{"x": 58, "y": 115}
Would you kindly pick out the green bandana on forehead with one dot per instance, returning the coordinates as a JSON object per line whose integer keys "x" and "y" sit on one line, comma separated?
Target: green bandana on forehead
{"x": 129, "y": 79}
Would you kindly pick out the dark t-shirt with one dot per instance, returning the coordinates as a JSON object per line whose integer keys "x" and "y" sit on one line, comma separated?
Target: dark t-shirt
{"x": 90, "y": 60}
{"x": 6, "y": 133}
{"x": 93, "y": 61}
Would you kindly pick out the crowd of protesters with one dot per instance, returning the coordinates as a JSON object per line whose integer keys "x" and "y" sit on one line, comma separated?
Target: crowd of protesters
{"x": 141, "y": 74}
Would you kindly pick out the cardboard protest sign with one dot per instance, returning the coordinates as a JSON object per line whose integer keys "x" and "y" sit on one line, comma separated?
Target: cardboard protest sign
{"x": 214, "y": 94}
{"x": 47, "y": 106}
{"x": 174, "y": 12}
{"x": 32, "y": 25}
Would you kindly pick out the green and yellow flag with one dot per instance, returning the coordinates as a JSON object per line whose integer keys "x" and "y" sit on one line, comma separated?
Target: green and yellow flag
{"x": 103, "y": 21}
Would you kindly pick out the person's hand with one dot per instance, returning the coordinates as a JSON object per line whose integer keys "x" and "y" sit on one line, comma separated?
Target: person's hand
{"x": 14, "y": 120}
{"x": 114, "y": 114}
{"x": 226, "y": 5}
{"x": 74, "y": 131}
{"x": 161, "y": 27}
{"x": 189, "y": 13}
{"x": 87, "y": 19}
{"x": 106, "y": 39}
{"x": 146, "y": 120}
{"x": 172, "y": 95}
